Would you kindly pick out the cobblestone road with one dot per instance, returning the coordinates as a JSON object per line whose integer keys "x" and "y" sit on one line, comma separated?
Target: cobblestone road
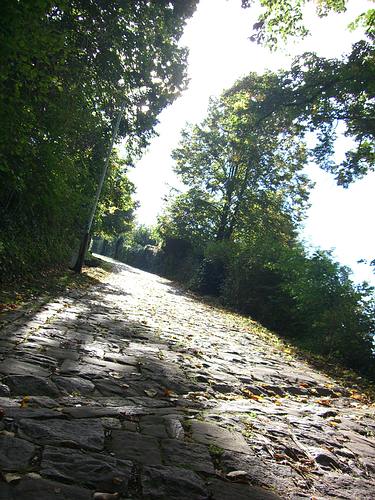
{"x": 135, "y": 389}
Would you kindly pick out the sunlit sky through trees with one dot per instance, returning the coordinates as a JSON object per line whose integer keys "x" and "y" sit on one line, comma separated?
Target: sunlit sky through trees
{"x": 220, "y": 52}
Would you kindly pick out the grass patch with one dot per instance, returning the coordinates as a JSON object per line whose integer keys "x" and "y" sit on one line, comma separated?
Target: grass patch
{"x": 48, "y": 284}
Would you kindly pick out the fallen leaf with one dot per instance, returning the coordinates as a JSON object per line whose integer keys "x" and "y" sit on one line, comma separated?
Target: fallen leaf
{"x": 251, "y": 395}
{"x": 324, "y": 402}
{"x": 168, "y": 393}
{"x": 357, "y": 396}
{"x": 25, "y": 402}
{"x": 333, "y": 424}
{"x": 117, "y": 480}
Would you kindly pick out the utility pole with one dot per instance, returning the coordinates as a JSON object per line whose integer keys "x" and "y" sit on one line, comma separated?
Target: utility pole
{"x": 77, "y": 267}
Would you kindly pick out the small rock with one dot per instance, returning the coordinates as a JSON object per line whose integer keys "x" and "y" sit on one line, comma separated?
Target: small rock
{"x": 31, "y": 385}
{"x": 325, "y": 458}
{"x": 4, "y": 390}
{"x": 235, "y": 474}
{"x": 172, "y": 483}
{"x": 88, "y": 434}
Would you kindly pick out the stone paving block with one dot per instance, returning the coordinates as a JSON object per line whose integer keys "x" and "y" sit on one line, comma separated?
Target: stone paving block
{"x": 172, "y": 483}
{"x": 42, "y": 489}
{"x": 111, "y": 423}
{"x": 259, "y": 471}
{"x": 31, "y": 385}
{"x": 102, "y": 472}
{"x": 223, "y": 490}
{"x": 345, "y": 486}
{"x": 135, "y": 447}
{"x": 174, "y": 427}
{"x": 110, "y": 387}
{"x": 15, "y": 454}
{"x": 57, "y": 353}
{"x": 69, "y": 366}
{"x": 97, "y": 411}
{"x": 208, "y": 433}
{"x": 19, "y": 413}
{"x": 153, "y": 426}
{"x": 17, "y": 367}
{"x": 121, "y": 358}
{"x": 31, "y": 356}
{"x": 41, "y": 402}
{"x": 88, "y": 434}
{"x": 109, "y": 366}
{"x": 70, "y": 385}
{"x": 190, "y": 455}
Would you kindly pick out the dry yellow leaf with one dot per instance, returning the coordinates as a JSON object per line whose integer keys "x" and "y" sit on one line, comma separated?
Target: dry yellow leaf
{"x": 324, "y": 402}
{"x": 25, "y": 402}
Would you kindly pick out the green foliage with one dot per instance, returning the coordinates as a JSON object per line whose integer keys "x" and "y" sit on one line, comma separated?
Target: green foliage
{"x": 232, "y": 164}
{"x": 233, "y": 232}
{"x": 280, "y": 20}
{"x": 142, "y": 236}
{"x": 317, "y": 95}
{"x": 66, "y": 69}
{"x": 115, "y": 211}
{"x": 322, "y": 93}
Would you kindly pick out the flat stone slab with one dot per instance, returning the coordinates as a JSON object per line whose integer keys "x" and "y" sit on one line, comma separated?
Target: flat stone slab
{"x": 172, "y": 483}
{"x": 121, "y": 358}
{"x": 223, "y": 490}
{"x": 19, "y": 413}
{"x": 207, "y": 433}
{"x": 42, "y": 489}
{"x": 58, "y": 353}
{"x": 15, "y": 454}
{"x": 15, "y": 366}
{"x": 70, "y": 385}
{"x": 135, "y": 447}
{"x": 102, "y": 472}
{"x": 192, "y": 456}
{"x": 106, "y": 411}
{"x": 87, "y": 434}
{"x": 31, "y": 385}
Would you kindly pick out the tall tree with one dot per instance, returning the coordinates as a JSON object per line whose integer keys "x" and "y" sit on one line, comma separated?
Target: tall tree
{"x": 239, "y": 164}
{"x": 66, "y": 68}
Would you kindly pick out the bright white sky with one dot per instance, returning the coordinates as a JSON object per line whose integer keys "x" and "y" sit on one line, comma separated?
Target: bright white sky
{"x": 220, "y": 52}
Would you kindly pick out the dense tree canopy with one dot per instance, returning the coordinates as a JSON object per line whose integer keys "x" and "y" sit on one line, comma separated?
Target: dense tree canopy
{"x": 231, "y": 164}
{"x": 66, "y": 68}
{"x": 281, "y": 20}
{"x": 317, "y": 95}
